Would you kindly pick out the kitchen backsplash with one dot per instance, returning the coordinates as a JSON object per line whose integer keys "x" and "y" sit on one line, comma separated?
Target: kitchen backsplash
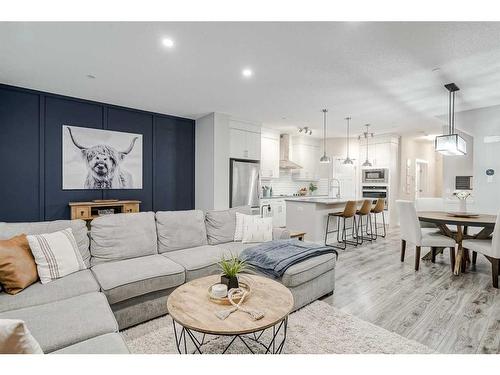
{"x": 286, "y": 186}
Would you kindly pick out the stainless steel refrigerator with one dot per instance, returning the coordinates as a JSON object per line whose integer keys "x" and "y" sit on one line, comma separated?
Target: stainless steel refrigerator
{"x": 244, "y": 183}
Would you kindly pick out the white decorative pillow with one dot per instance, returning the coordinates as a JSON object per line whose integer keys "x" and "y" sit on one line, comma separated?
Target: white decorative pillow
{"x": 56, "y": 254}
{"x": 15, "y": 338}
{"x": 257, "y": 229}
{"x": 238, "y": 231}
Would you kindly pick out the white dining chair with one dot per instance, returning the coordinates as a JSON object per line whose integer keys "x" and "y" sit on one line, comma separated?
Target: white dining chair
{"x": 490, "y": 248}
{"x": 429, "y": 204}
{"x": 432, "y": 205}
{"x": 412, "y": 233}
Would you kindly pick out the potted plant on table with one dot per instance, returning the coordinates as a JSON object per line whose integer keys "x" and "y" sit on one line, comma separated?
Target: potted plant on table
{"x": 231, "y": 267}
{"x": 312, "y": 188}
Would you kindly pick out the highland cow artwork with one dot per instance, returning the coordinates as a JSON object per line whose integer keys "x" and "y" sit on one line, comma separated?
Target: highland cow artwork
{"x": 101, "y": 159}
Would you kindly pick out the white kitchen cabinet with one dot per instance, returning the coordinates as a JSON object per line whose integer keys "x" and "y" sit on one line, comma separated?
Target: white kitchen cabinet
{"x": 382, "y": 155}
{"x": 269, "y": 154}
{"x": 253, "y": 145}
{"x": 381, "y": 151}
{"x": 244, "y": 144}
{"x": 306, "y": 153}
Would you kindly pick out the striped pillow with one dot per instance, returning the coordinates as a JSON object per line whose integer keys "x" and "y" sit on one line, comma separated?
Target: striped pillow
{"x": 56, "y": 254}
{"x": 257, "y": 229}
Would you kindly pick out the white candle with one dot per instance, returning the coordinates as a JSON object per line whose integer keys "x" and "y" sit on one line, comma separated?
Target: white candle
{"x": 219, "y": 290}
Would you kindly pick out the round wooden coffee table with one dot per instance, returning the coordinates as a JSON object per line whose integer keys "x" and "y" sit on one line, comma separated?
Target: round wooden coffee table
{"x": 192, "y": 310}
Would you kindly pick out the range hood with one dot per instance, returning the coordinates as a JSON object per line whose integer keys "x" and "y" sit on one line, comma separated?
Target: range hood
{"x": 285, "y": 162}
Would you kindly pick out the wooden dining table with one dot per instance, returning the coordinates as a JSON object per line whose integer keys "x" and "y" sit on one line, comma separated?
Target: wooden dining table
{"x": 443, "y": 219}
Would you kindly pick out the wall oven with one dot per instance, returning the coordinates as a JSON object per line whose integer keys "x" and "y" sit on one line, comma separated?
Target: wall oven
{"x": 375, "y": 192}
{"x": 375, "y": 176}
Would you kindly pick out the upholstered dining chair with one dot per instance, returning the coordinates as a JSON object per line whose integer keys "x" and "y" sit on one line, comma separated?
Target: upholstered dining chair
{"x": 490, "y": 248}
{"x": 429, "y": 204}
{"x": 412, "y": 233}
{"x": 432, "y": 204}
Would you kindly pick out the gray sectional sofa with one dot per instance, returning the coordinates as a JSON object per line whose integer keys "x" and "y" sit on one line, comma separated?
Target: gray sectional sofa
{"x": 135, "y": 261}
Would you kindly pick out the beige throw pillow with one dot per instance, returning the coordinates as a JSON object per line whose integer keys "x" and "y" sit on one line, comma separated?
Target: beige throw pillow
{"x": 56, "y": 254}
{"x": 257, "y": 229}
{"x": 15, "y": 338}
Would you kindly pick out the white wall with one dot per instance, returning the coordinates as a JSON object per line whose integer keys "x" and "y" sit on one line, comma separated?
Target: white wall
{"x": 221, "y": 162}
{"x": 480, "y": 123}
{"x": 212, "y": 162}
{"x": 204, "y": 163}
{"x": 459, "y": 165}
{"x": 413, "y": 148}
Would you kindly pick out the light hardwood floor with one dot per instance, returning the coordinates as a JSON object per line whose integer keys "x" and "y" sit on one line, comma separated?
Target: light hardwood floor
{"x": 450, "y": 314}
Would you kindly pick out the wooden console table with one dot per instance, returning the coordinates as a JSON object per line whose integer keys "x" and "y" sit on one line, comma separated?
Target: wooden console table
{"x": 298, "y": 235}
{"x": 90, "y": 210}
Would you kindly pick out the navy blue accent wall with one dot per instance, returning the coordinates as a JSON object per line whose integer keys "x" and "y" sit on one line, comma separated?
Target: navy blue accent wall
{"x": 31, "y": 155}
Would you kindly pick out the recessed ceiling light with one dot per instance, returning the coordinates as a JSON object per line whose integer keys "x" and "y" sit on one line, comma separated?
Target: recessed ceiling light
{"x": 247, "y": 72}
{"x": 167, "y": 42}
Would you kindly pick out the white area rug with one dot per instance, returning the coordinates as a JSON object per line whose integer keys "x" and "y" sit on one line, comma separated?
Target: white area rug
{"x": 315, "y": 329}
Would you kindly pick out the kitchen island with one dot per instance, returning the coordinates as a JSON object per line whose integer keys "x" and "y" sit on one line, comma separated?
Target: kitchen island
{"x": 309, "y": 214}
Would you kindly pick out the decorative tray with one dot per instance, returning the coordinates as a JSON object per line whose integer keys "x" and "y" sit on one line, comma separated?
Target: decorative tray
{"x": 225, "y": 301}
{"x": 462, "y": 214}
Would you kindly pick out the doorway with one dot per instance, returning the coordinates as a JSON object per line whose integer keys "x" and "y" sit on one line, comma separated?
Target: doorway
{"x": 422, "y": 179}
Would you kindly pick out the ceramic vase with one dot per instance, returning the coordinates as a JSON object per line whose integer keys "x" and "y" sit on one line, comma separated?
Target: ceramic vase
{"x": 462, "y": 205}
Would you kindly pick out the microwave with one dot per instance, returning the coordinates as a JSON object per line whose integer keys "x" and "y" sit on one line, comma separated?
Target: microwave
{"x": 375, "y": 175}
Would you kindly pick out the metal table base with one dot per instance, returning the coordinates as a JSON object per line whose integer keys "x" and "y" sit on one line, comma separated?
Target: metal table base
{"x": 275, "y": 345}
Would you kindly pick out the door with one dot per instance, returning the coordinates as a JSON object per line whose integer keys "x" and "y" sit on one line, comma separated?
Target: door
{"x": 421, "y": 179}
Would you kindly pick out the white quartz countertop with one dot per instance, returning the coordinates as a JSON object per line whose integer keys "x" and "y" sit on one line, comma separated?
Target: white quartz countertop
{"x": 320, "y": 200}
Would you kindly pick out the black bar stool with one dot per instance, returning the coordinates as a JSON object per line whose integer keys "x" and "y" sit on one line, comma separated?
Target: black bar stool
{"x": 365, "y": 212}
{"x": 348, "y": 213}
{"x": 376, "y": 210}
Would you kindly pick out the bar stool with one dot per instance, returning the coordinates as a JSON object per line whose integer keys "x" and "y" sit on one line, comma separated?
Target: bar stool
{"x": 349, "y": 212}
{"x": 379, "y": 209}
{"x": 365, "y": 212}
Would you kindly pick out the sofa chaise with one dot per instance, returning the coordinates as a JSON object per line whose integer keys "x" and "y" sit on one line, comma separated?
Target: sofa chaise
{"x": 134, "y": 262}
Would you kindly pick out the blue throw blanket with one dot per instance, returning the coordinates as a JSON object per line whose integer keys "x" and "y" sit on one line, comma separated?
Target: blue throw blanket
{"x": 275, "y": 257}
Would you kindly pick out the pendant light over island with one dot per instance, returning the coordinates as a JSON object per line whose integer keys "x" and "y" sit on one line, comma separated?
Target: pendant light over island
{"x": 347, "y": 159}
{"x": 324, "y": 159}
{"x": 366, "y": 135}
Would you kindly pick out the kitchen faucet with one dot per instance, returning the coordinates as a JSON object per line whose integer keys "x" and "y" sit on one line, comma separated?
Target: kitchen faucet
{"x": 331, "y": 187}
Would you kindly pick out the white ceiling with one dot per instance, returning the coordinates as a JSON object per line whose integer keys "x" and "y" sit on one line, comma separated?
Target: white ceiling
{"x": 377, "y": 72}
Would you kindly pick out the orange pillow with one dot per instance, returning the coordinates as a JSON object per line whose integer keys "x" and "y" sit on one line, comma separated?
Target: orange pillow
{"x": 17, "y": 265}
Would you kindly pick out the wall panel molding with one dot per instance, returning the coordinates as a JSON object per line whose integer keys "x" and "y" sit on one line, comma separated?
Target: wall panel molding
{"x": 31, "y": 137}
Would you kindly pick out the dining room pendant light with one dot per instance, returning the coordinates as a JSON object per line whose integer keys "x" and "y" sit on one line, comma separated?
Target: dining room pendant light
{"x": 324, "y": 159}
{"x": 347, "y": 159}
{"x": 367, "y": 135}
{"x": 451, "y": 143}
